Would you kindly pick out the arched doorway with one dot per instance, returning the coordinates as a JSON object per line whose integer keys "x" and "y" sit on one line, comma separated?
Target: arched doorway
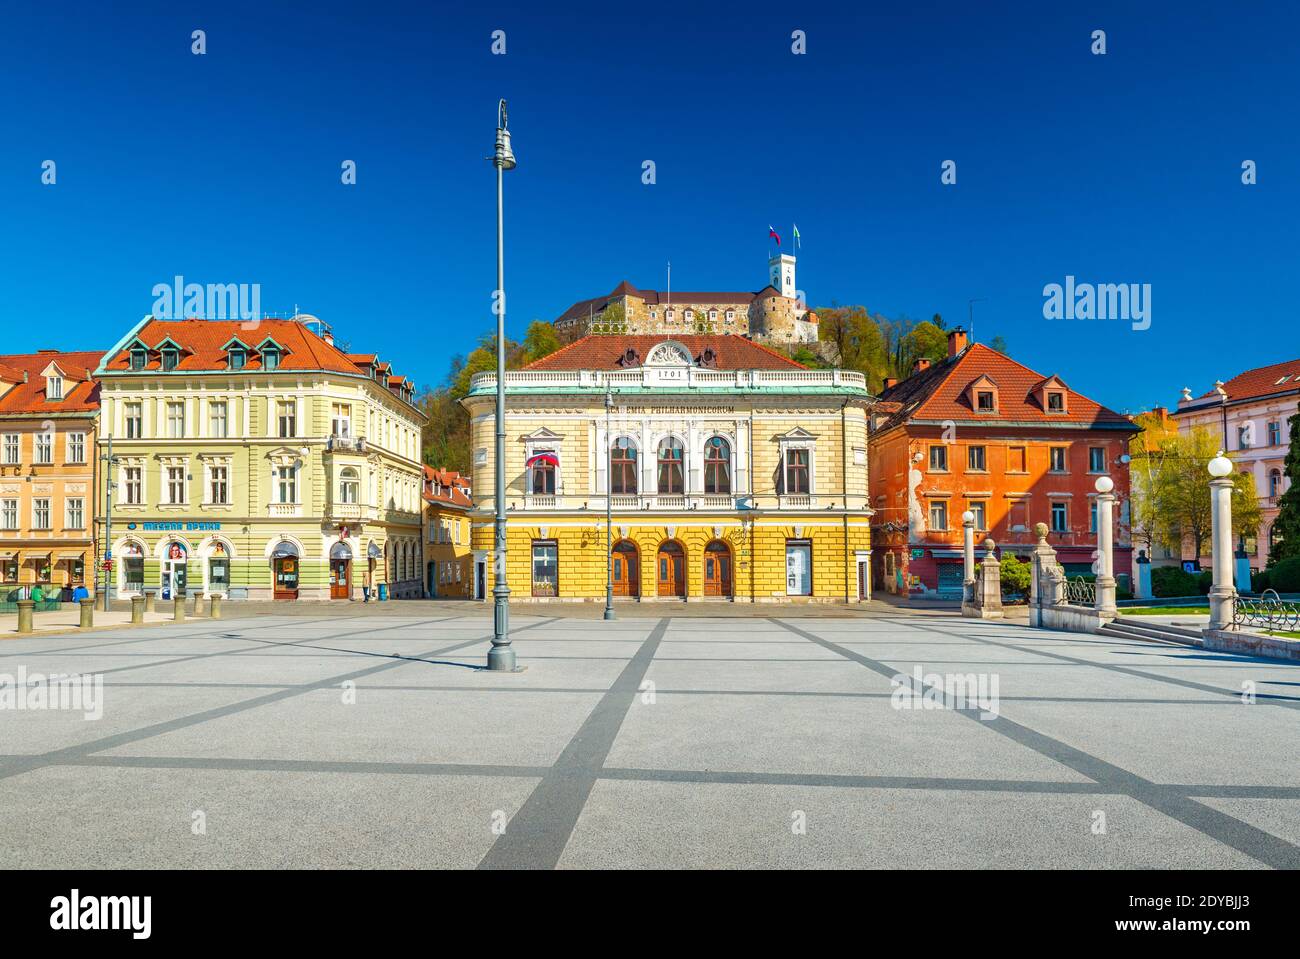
{"x": 285, "y": 564}
{"x": 717, "y": 569}
{"x": 671, "y": 569}
{"x": 626, "y": 565}
{"x": 172, "y": 570}
{"x": 340, "y": 571}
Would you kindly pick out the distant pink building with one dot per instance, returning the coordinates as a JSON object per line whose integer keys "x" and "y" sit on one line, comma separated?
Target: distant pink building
{"x": 1250, "y": 413}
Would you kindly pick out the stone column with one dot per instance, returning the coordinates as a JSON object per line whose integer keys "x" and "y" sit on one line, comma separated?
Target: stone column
{"x": 968, "y": 556}
{"x": 1105, "y": 602}
{"x": 214, "y": 607}
{"x": 198, "y": 604}
{"x": 178, "y": 608}
{"x": 137, "y": 609}
{"x": 87, "y": 613}
{"x": 149, "y": 600}
{"x": 1042, "y": 587}
{"x": 988, "y": 589}
{"x": 25, "y": 608}
{"x": 1222, "y": 593}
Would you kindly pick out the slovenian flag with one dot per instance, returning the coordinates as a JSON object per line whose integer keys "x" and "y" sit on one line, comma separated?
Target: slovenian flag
{"x": 771, "y": 231}
{"x": 545, "y": 458}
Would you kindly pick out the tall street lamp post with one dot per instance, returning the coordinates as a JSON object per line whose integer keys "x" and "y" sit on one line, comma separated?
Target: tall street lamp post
{"x": 609, "y": 508}
{"x": 1223, "y": 595}
{"x": 502, "y": 655}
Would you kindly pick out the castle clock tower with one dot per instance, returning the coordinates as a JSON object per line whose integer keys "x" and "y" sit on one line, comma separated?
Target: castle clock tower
{"x": 781, "y": 274}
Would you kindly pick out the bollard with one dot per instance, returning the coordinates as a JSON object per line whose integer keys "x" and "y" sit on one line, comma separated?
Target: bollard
{"x": 178, "y": 609}
{"x": 25, "y": 607}
{"x": 149, "y": 602}
{"x": 214, "y": 607}
{"x": 87, "y": 613}
{"x": 198, "y": 604}
{"x": 137, "y": 609}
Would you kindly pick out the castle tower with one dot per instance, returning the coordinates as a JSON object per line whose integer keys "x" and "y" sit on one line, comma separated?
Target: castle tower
{"x": 780, "y": 269}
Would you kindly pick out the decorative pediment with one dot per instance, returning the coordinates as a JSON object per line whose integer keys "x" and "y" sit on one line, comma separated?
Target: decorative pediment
{"x": 235, "y": 343}
{"x": 270, "y": 343}
{"x": 542, "y": 435}
{"x": 797, "y": 435}
{"x": 668, "y": 353}
{"x": 167, "y": 343}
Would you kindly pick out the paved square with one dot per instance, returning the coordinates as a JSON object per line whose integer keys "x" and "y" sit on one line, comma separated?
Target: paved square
{"x": 670, "y": 738}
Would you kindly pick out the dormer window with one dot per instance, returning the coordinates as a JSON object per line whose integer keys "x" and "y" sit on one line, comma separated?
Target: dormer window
{"x": 270, "y": 359}
{"x": 985, "y": 401}
{"x": 170, "y": 357}
{"x": 238, "y": 359}
{"x": 982, "y": 394}
{"x": 1056, "y": 402}
{"x": 54, "y": 388}
{"x": 1051, "y": 394}
{"x": 138, "y": 359}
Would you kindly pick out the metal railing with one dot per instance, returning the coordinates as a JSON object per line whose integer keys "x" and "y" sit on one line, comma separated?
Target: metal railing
{"x": 1268, "y": 611}
{"x": 1080, "y": 592}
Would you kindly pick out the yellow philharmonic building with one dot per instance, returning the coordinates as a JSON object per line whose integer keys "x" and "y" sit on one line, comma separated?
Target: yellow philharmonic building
{"x": 732, "y": 473}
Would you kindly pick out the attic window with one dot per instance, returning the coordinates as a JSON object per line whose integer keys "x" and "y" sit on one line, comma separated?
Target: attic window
{"x": 1055, "y": 401}
{"x": 54, "y": 388}
{"x": 985, "y": 401}
{"x": 270, "y": 359}
{"x": 238, "y": 358}
{"x": 170, "y": 358}
{"x": 138, "y": 358}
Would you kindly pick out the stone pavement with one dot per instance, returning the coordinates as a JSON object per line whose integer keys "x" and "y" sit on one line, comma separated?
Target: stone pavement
{"x": 350, "y": 740}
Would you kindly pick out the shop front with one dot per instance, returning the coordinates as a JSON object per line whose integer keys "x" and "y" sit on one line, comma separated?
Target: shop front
{"x": 286, "y": 569}
{"x": 341, "y": 571}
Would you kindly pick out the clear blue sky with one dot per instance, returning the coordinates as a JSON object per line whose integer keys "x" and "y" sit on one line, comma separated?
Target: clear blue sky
{"x": 225, "y": 168}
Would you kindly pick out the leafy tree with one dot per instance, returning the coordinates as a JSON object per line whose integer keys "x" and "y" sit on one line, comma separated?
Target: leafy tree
{"x": 925, "y": 340}
{"x": 1184, "y": 496}
{"x": 999, "y": 344}
{"x": 540, "y": 340}
{"x": 1014, "y": 575}
{"x": 1286, "y": 528}
{"x": 1150, "y": 463}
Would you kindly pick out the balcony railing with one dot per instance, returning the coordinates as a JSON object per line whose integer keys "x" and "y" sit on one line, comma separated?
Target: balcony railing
{"x": 346, "y": 444}
{"x": 669, "y": 376}
{"x": 283, "y": 510}
{"x": 639, "y": 502}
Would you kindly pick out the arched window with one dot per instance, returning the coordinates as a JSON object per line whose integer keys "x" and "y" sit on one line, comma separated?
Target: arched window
{"x": 622, "y": 466}
{"x": 1275, "y": 483}
{"x": 717, "y": 465}
{"x": 542, "y": 464}
{"x": 671, "y": 477}
{"x": 349, "y": 485}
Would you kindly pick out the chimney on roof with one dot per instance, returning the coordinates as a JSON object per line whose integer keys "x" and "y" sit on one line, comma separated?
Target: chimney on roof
{"x": 890, "y": 381}
{"x": 956, "y": 341}
{"x": 328, "y": 337}
{"x": 920, "y": 363}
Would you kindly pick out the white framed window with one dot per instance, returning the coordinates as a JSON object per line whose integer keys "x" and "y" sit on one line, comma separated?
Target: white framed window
{"x": 175, "y": 485}
{"x": 41, "y": 513}
{"x": 980, "y": 512}
{"x": 133, "y": 414}
{"x": 939, "y": 515}
{"x": 176, "y": 420}
{"x": 76, "y": 447}
{"x": 349, "y": 485}
{"x": 54, "y": 388}
{"x": 9, "y": 514}
{"x": 219, "y": 484}
{"x": 287, "y": 417}
{"x": 286, "y": 484}
{"x": 44, "y": 448}
{"x": 133, "y": 485}
{"x": 218, "y": 419}
{"x": 9, "y": 451}
{"x": 341, "y": 420}
{"x": 75, "y": 510}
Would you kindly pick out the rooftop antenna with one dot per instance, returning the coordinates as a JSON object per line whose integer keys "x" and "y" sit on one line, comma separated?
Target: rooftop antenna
{"x": 670, "y": 283}
{"x": 970, "y": 325}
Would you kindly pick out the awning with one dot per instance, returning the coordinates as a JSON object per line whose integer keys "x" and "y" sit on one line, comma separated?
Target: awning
{"x": 65, "y": 556}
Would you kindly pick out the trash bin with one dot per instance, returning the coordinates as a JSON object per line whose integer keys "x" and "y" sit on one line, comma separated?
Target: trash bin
{"x": 383, "y": 592}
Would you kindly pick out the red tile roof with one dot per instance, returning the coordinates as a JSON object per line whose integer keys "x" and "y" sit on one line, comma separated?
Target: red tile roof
{"x": 453, "y": 488}
{"x": 81, "y": 396}
{"x": 937, "y": 394}
{"x": 203, "y": 341}
{"x": 1262, "y": 381}
{"x": 603, "y": 351}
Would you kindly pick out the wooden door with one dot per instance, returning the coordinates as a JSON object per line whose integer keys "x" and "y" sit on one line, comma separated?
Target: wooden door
{"x": 626, "y": 572}
{"x": 340, "y": 579}
{"x": 717, "y": 570}
{"x": 286, "y": 577}
{"x": 671, "y": 570}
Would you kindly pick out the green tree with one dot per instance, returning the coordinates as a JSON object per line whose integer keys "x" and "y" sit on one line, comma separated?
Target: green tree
{"x": 540, "y": 340}
{"x": 999, "y": 344}
{"x": 1286, "y": 528}
{"x": 1184, "y": 494}
{"x": 925, "y": 340}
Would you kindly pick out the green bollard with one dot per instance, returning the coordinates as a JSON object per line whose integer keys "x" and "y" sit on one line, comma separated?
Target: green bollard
{"x": 25, "y": 607}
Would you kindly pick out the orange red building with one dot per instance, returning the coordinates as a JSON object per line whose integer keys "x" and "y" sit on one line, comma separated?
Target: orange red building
{"x": 980, "y": 432}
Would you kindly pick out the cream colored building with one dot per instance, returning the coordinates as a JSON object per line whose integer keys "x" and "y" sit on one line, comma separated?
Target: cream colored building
{"x": 256, "y": 460}
{"x": 733, "y": 474}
